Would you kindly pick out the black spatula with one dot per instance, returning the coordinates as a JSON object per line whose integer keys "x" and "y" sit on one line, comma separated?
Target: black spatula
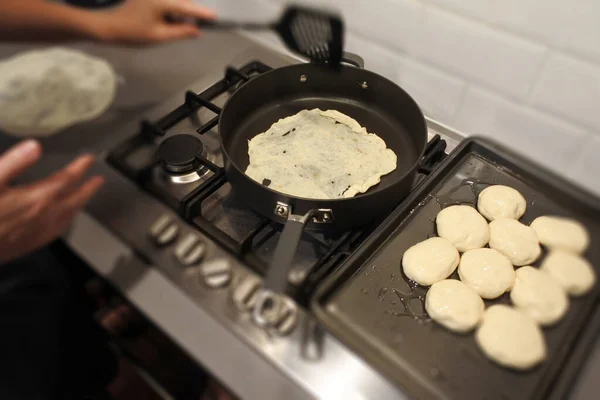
{"x": 313, "y": 33}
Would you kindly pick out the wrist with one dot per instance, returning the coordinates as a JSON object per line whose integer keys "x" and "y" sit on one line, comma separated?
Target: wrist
{"x": 96, "y": 26}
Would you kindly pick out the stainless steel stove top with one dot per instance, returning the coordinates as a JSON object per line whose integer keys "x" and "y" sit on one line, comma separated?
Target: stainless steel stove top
{"x": 183, "y": 220}
{"x": 178, "y": 160}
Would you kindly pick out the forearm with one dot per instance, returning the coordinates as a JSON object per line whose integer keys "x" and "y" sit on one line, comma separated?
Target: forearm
{"x": 46, "y": 20}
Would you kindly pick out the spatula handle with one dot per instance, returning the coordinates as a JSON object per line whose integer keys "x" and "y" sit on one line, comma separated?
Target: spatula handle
{"x": 230, "y": 25}
{"x": 218, "y": 24}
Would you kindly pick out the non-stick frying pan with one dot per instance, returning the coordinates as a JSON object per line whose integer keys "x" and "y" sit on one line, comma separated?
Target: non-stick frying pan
{"x": 375, "y": 102}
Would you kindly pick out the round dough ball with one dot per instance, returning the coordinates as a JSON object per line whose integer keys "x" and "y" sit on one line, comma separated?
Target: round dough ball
{"x": 538, "y": 295}
{"x": 44, "y": 91}
{"x": 515, "y": 241}
{"x": 454, "y": 305}
{"x": 561, "y": 233}
{"x": 430, "y": 261}
{"x": 510, "y": 338}
{"x": 463, "y": 226}
{"x": 487, "y": 272}
{"x": 499, "y": 201}
{"x": 574, "y": 273}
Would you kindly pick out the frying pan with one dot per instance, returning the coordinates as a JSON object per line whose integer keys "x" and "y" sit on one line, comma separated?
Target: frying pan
{"x": 376, "y": 103}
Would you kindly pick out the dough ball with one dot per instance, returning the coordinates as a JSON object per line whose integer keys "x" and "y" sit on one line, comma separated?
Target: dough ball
{"x": 487, "y": 272}
{"x": 561, "y": 233}
{"x": 45, "y": 91}
{"x": 430, "y": 261}
{"x": 499, "y": 201}
{"x": 454, "y": 305}
{"x": 510, "y": 338}
{"x": 538, "y": 295}
{"x": 463, "y": 226}
{"x": 574, "y": 273}
{"x": 515, "y": 241}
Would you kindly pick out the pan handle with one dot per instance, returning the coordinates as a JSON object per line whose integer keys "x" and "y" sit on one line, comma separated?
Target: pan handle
{"x": 277, "y": 276}
{"x": 353, "y": 59}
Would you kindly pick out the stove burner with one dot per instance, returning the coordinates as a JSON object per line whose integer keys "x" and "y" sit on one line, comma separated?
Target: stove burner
{"x": 178, "y": 153}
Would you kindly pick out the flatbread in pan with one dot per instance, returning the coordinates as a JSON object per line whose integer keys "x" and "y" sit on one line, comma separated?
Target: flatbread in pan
{"x": 319, "y": 155}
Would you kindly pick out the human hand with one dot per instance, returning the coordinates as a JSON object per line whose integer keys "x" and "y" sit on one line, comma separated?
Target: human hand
{"x": 145, "y": 21}
{"x": 35, "y": 214}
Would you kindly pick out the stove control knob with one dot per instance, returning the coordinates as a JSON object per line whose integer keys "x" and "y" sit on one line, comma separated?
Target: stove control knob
{"x": 190, "y": 250}
{"x": 164, "y": 230}
{"x": 216, "y": 273}
{"x": 287, "y": 318}
{"x": 244, "y": 295}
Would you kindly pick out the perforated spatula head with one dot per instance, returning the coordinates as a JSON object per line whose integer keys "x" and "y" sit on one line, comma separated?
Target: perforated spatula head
{"x": 316, "y": 34}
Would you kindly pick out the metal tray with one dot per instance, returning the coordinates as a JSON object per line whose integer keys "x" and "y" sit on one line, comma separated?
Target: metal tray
{"x": 370, "y": 306}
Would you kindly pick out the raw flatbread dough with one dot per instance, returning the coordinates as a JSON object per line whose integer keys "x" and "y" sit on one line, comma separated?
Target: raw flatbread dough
{"x": 561, "y": 233}
{"x": 430, "y": 261}
{"x": 487, "y": 272}
{"x": 510, "y": 338}
{"x": 499, "y": 201}
{"x": 538, "y": 295}
{"x": 574, "y": 273}
{"x": 515, "y": 241}
{"x": 319, "y": 155}
{"x": 454, "y": 305}
{"x": 44, "y": 91}
{"x": 463, "y": 226}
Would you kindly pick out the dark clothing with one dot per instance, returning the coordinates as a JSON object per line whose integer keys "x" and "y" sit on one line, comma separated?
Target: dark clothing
{"x": 50, "y": 346}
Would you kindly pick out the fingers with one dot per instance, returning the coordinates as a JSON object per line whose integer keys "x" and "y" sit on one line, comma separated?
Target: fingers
{"x": 75, "y": 171}
{"x": 79, "y": 198}
{"x": 17, "y": 159}
{"x": 60, "y": 183}
{"x": 175, "y": 32}
{"x": 68, "y": 207}
{"x": 36, "y": 198}
{"x": 189, "y": 9}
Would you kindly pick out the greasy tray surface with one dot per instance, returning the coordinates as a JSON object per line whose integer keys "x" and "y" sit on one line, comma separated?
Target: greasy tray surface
{"x": 377, "y": 312}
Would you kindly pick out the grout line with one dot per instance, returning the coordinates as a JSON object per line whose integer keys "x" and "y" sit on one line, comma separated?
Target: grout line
{"x": 574, "y": 165}
{"x": 516, "y": 33}
{"x": 462, "y": 98}
{"x": 552, "y": 116}
{"x": 537, "y": 76}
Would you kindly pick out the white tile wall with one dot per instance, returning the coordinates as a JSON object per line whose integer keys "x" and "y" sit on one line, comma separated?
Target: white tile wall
{"x": 478, "y": 53}
{"x": 437, "y": 92}
{"x": 570, "y": 88}
{"x": 525, "y": 72}
{"x": 585, "y": 169}
{"x": 487, "y": 114}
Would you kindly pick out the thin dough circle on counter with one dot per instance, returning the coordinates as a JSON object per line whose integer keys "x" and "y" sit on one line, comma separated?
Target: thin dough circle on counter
{"x": 561, "y": 233}
{"x": 510, "y": 338}
{"x": 463, "y": 226}
{"x": 515, "y": 241}
{"x": 574, "y": 273}
{"x": 538, "y": 295}
{"x": 499, "y": 201}
{"x": 45, "y": 91}
{"x": 487, "y": 272}
{"x": 430, "y": 261}
{"x": 454, "y": 305}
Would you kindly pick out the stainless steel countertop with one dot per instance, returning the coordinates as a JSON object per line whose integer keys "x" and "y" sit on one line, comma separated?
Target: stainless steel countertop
{"x": 149, "y": 76}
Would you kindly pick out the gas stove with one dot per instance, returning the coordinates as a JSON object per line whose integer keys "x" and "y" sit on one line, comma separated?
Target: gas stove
{"x": 178, "y": 160}
{"x": 185, "y": 221}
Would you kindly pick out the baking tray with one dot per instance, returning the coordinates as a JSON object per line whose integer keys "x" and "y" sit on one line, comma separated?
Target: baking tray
{"x": 374, "y": 309}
